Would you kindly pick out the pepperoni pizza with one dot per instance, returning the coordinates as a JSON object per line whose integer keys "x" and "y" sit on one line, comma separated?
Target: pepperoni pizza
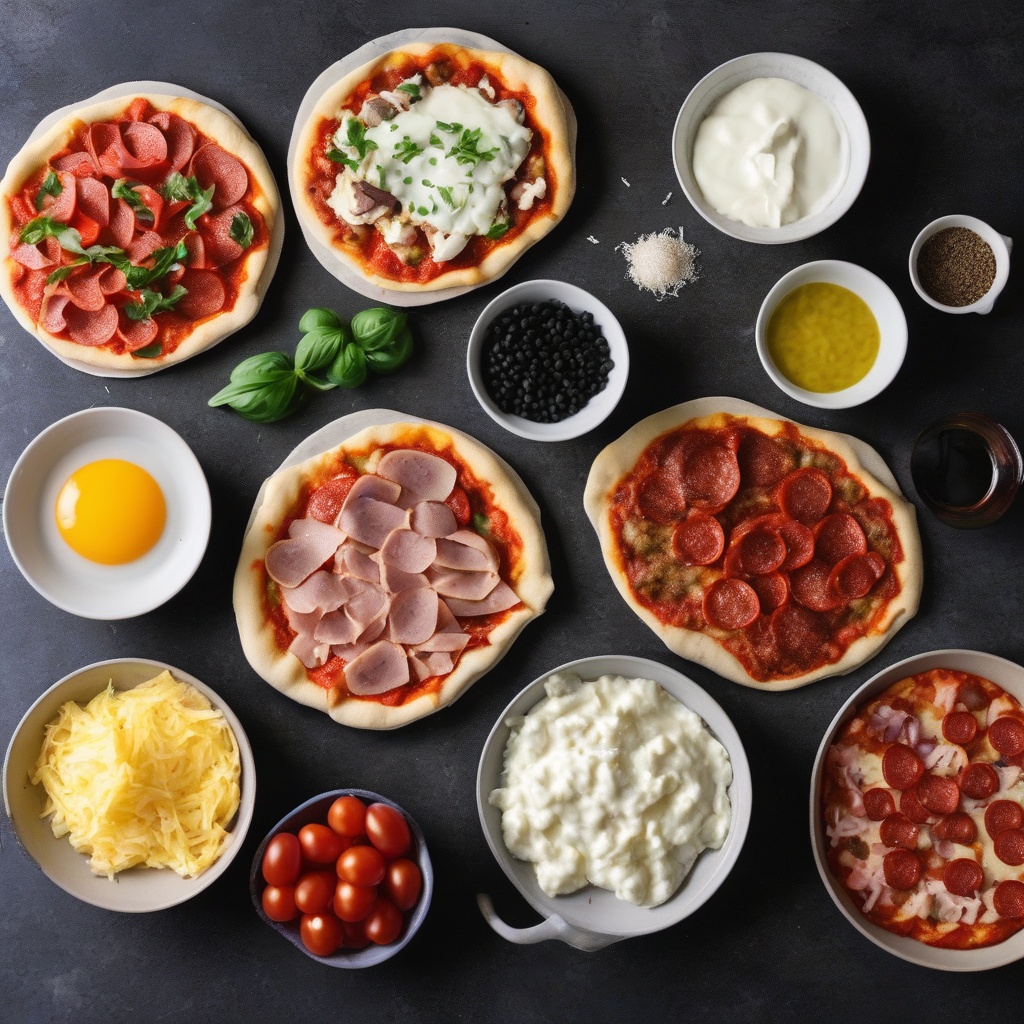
{"x": 757, "y": 547}
{"x": 923, "y": 806}
{"x": 135, "y": 232}
{"x": 435, "y": 166}
{"x": 380, "y": 579}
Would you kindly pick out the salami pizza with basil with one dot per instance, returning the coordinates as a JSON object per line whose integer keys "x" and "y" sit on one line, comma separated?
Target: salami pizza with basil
{"x": 382, "y": 578}
{"x": 435, "y": 166}
{"x": 923, "y": 808}
{"x": 757, "y": 547}
{"x": 135, "y": 232}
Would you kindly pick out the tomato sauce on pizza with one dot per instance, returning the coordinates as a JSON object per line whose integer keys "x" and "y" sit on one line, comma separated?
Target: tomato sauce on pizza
{"x": 923, "y": 808}
{"x": 769, "y": 545}
{"x": 134, "y": 233}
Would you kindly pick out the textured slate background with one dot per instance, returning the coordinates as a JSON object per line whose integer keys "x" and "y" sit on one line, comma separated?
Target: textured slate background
{"x": 941, "y": 86}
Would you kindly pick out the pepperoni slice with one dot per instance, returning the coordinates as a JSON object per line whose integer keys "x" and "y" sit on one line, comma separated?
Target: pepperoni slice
{"x": 805, "y": 495}
{"x": 899, "y": 830}
{"x": 93, "y": 200}
{"x": 660, "y": 499}
{"x": 698, "y": 540}
{"x": 711, "y": 477}
{"x": 973, "y": 695}
{"x": 143, "y": 146}
{"x": 979, "y": 781}
{"x": 855, "y": 575}
{"x": 913, "y": 808}
{"x": 800, "y": 633}
{"x": 811, "y": 588}
{"x": 761, "y": 551}
{"x": 136, "y": 334}
{"x": 799, "y": 544}
{"x": 901, "y": 767}
{"x": 763, "y": 461}
{"x": 902, "y": 869}
{"x": 221, "y": 248}
{"x": 957, "y": 828}
{"x": 62, "y": 206}
{"x": 938, "y": 794}
{"x": 325, "y": 502}
{"x": 1008, "y": 899}
{"x": 1007, "y": 736}
{"x": 838, "y": 536}
{"x": 1001, "y": 815}
{"x": 1009, "y": 846}
{"x": 963, "y": 877}
{"x": 772, "y": 591}
{"x": 205, "y": 296}
{"x": 879, "y": 804}
{"x": 91, "y": 327}
{"x": 122, "y": 223}
{"x": 213, "y": 166}
{"x": 959, "y": 727}
{"x": 196, "y": 250}
{"x": 731, "y": 604}
{"x": 179, "y": 135}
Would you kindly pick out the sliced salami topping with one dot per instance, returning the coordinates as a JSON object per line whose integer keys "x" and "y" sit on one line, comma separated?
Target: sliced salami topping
{"x": 205, "y": 296}
{"x": 142, "y": 145}
{"x": 51, "y": 315}
{"x": 142, "y": 246}
{"x": 711, "y": 477}
{"x": 958, "y": 827}
{"x": 838, "y": 536}
{"x": 902, "y": 869}
{"x": 959, "y": 727}
{"x": 426, "y": 476}
{"x": 660, "y": 499}
{"x": 811, "y": 587}
{"x": 805, "y": 495}
{"x": 772, "y": 591}
{"x": 30, "y": 256}
{"x": 979, "y": 781}
{"x": 855, "y": 575}
{"x": 963, "y": 877}
{"x": 913, "y": 808}
{"x": 731, "y": 604}
{"x": 122, "y": 223}
{"x": 1008, "y": 899}
{"x": 899, "y": 830}
{"x": 800, "y": 633}
{"x": 799, "y": 542}
{"x": 938, "y": 793}
{"x": 326, "y": 501}
{"x": 901, "y": 767}
{"x": 1007, "y": 736}
{"x": 91, "y": 327}
{"x": 1009, "y": 846}
{"x": 1001, "y": 815}
{"x": 84, "y": 289}
{"x": 213, "y": 166}
{"x": 761, "y": 551}
{"x": 763, "y": 461}
{"x": 879, "y": 804}
{"x": 93, "y": 200}
{"x": 219, "y": 248}
{"x": 196, "y": 248}
{"x": 434, "y": 519}
{"x": 80, "y": 164}
{"x": 698, "y": 540}
{"x": 179, "y": 135}
{"x": 378, "y": 669}
{"x": 136, "y": 334}
{"x": 62, "y": 207}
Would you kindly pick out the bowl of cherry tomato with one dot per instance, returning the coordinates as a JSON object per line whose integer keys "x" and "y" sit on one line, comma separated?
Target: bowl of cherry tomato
{"x": 345, "y": 877}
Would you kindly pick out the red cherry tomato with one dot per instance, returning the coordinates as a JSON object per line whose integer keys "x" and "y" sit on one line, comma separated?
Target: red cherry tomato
{"x": 319, "y": 844}
{"x": 388, "y": 830}
{"x": 384, "y": 924}
{"x": 282, "y": 860}
{"x": 322, "y": 934}
{"x": 403, "y": 883}
{"x": 279, "y": 903}
{"x": 354, "y": 902}
{"x": 362, "y": 865}
{"x": 347, "y": 816}
{"x": 314, "y": 892}
{"x": 355, "y": 935}
{"x": 458, "y": 502}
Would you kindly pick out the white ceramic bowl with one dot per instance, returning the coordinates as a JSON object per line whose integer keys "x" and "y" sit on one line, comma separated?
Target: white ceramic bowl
{"x": 315, "y": 810}
{"x": 855, "y": 140}
{"x": 599, "y": 408}
{"x": 1000, "y": 244}
{"x": 1000, "y": 671}
{"x": 136, "y": 890}
{"x": 892, "y": 325}
{"x": 593, "y": 918}
{"x": 60, "y": 574}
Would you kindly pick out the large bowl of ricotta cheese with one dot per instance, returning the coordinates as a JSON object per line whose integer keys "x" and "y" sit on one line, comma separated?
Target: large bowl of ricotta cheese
{"x": 592, "y": 745}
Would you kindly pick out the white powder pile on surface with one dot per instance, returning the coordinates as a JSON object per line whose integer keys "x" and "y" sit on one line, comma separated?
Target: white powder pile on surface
{"x": 661, "y": 263}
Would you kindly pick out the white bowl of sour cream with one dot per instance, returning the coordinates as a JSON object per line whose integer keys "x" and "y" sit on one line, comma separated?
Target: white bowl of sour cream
{"x": 592, "y": 917}
{"x": 780, "y": 144}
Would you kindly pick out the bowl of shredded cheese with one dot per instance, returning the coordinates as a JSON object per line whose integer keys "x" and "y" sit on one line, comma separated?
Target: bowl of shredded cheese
{"x": 131, "y": 784}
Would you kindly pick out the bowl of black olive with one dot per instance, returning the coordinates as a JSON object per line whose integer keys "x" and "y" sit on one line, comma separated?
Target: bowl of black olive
{"x": 547, "y": 360}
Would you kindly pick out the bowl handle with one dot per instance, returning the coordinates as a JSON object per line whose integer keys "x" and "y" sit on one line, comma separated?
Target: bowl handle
{"x": 552, "y": 927}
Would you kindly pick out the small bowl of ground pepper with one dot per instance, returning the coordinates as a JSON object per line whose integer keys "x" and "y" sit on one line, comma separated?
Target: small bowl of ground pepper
{"x": 547, "y": 360}
{"x": 959, "y": 264}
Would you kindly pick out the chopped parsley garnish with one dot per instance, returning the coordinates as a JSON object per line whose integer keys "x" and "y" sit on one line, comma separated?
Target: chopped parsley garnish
{"x": 355, "y": 136}
{"x": 427, "y": 183}
{"x": 51, "y": 186}
{"x": 433, "y": 161}
{"x": 499, "y": 230}
{"x": 446, "y": 195}
{"x": 382, "y": 174}
{"x": 466, "y": 150}
{"x": 407, "y": 149}
{"x": 241, "y": 229}
{"x": 422, "y": 211}
{"x": 394, "y": 128}
{"x": 411, "y": 89}
{"x": 407, "y": 181}
{"x": 454, "y": 128}
{"x": 435, "y": 141}
{"x": 153, "y": 302}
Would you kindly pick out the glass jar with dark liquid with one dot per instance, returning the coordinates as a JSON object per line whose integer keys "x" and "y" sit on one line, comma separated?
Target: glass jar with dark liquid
{"x": 966, "y": 468}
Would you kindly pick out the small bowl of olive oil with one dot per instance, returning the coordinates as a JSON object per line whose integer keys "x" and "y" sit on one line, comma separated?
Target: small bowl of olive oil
{"x": 831, "y": 334}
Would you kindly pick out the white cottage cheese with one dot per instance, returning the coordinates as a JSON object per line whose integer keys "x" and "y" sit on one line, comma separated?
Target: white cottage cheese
{"x": 612, "y": 782}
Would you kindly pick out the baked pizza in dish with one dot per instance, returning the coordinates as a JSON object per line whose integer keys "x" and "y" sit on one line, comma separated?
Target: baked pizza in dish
{"x": 756, "y": 547}
{"x": 136, "y": 232}
{"x": 435, "y": 166}
{"x": 380, "y": 579}
{"x": 922, "y": 801}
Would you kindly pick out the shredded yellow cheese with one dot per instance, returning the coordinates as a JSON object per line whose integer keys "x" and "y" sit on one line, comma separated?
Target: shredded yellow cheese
{"x": 148, "y": 776}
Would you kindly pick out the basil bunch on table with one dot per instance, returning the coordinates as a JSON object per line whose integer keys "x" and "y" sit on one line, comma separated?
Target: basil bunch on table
{"x": 331, "y": 354}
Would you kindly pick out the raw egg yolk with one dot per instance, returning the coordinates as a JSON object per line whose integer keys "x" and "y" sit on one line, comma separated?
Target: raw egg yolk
{"x": 111, "y": 511}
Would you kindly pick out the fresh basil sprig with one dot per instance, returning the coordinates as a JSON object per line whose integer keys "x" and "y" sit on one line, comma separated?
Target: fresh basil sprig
{"x": 180, "y": 189}
{"x": 349, "y": 367}
{"x": 241, "y": 229}
{"x": 326, "y": 337}
{"x": 264, "y": 388}
{"x": 163, "y": 262}
{"x": 122, "y": 190}
{"x": 51, "y": 186}
{"x": 153, "y": 302}
{"x": 377, "y": 328}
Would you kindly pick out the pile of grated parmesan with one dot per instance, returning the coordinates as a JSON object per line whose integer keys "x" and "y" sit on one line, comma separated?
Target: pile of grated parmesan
{"x": 660, "y": 263}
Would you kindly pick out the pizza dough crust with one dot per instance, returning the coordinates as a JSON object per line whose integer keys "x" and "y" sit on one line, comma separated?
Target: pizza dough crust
{"x": 531, "y": 578}
{"x": 548, "y": 114}
{"x": 619, "y": 458}
{"x": 229, "y": 136}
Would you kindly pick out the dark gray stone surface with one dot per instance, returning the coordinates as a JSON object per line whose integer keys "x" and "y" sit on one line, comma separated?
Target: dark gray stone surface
{"x": 942, "y": 89}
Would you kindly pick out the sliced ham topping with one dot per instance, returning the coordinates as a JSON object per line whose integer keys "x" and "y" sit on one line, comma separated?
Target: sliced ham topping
{"x": 395, "y": 580}
{"x": 336, "y": 628}
{"x": 348, "y": 652}
{"x": 426, "y": 476}
{"x": 478, "y": 543}
{"x": 500, "y": 599}
{"x": 308, "y": 651}
{"x": 302, "y": 622}
{"x": 91, "y": 327}
{"x": 351, "y": 560}
{"x": 369, "y": 520}
{"x": 470, "y": 586}
{"x": 93, "y": 200}
{"x": 323, "y": 592}
{"x": 312, "y": 543}
{"x": 454, "y": 554}
{"x": 376, "y": 487}
{"x": 211, "y": 165}
{"x": 206, "y": 294}
{"x": 433, "y": 519}
{"x": 380, "y": 668}
{"x": 374, "y": 630}
{"x": 179, "y": 136}
{"x": 450, "y": 642}
{"x": 366, "y": 604}
{"x": 413, "y": 616}
{"x": 427, "y": 666}
{"x": 408, "y": 551}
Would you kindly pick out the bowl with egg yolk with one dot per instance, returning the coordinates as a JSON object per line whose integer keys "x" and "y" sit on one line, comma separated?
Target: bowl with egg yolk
{"x": 107, "y": 513}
